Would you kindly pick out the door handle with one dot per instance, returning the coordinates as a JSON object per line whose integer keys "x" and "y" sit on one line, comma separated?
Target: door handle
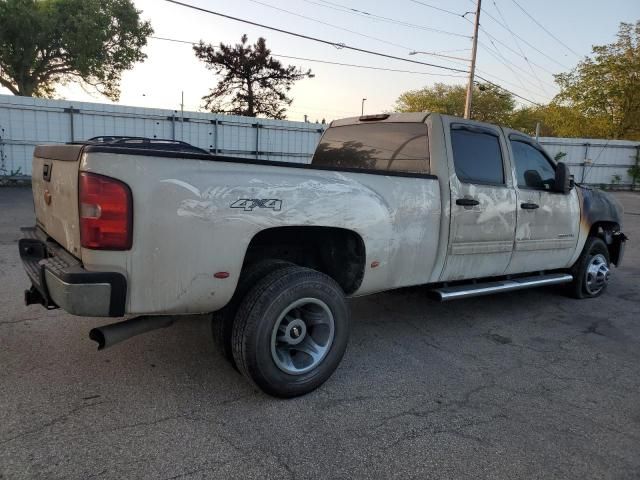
{"x": 467, "y": 202}
{"x": 529, "y": 206}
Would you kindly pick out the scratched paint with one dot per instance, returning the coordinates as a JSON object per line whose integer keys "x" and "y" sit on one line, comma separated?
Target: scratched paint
{"x": 185, "y": 228}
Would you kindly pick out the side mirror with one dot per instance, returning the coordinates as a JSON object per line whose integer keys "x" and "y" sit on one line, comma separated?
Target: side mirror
{"x": 564, "y": 181}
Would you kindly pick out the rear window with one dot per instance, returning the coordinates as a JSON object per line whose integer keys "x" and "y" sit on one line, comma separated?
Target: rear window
{"x": 392, "y": 147}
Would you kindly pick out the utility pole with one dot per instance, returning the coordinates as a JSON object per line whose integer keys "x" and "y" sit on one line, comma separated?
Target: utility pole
{"x": 467, "y": 105}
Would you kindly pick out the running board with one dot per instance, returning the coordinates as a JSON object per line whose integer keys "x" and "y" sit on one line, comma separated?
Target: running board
{"x": 487, "y": 288}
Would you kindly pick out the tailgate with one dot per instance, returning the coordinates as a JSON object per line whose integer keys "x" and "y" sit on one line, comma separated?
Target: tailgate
{"x": 54, "y": 180}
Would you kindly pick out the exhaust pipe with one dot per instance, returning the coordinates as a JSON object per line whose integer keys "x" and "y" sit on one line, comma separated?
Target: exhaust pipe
{"x": 108, "y": 335}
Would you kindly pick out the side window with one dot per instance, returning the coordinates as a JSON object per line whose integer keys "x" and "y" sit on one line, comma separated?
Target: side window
{"x": 477, "y": 156}
{"x": 533, "y": 169}
{"x": 395, "y": 147}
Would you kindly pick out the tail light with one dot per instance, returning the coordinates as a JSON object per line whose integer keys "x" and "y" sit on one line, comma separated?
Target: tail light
{"x": 106, "y": 213}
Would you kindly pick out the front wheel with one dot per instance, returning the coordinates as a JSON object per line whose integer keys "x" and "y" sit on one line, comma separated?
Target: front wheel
{"x": 591, "y": 271}
{"x": 291, "y": 331}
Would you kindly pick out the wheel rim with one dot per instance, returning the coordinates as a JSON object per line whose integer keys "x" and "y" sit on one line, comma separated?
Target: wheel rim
{"x": 302, "y": 336}
{"x": 597, "y": 274}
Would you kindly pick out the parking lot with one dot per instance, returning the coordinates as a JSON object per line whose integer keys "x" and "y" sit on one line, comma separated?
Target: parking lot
{"x": 521, "y": 385}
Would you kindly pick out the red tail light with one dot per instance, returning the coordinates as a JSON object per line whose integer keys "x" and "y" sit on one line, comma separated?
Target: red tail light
{"x": 106, "y": 213}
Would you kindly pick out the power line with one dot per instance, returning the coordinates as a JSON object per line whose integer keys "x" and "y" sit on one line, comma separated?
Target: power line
{"x": 437, "y": 8}
{"x": 503, "y": 58}
{"x": 522, "y": 39}
{"x": 506, "y": 61}
{"x": 518, "y": 45}
{"x": 337, "y": 45}
{"x": 342, "y": 45}
{"x": 336, "y": 26}
{"x": 369, "y": 67}
{"x": 374, "y": 17}
{"x": 315, "y": 60}
{"x": 516, "y": 53}
{"x": 548, "y": 32}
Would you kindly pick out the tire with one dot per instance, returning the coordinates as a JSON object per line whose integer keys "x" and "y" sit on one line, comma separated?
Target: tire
{"x": 222, "y": 320}
{"x": 287, "y": 314}
{"x": 591, "y": 270}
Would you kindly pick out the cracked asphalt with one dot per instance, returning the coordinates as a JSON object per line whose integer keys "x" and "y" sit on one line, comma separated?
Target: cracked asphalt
{"x": 521, "y": 385}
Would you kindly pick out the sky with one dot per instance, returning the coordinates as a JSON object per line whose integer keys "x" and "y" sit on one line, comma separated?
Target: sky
{"x": 518, "y": 55}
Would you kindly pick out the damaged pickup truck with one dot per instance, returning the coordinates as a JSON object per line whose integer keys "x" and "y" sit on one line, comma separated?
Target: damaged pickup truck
{"x": 151, "y": 229}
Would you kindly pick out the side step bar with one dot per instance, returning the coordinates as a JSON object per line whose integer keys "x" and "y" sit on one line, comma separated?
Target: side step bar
{"x": 477, "y": 289}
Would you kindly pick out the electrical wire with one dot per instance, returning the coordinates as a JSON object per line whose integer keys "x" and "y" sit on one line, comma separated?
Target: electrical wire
{"x": 437, "y": 8}
{"x": 548, "y": 32}
{"x": 497, "y": 54}
{"x": 374, "y": 17}
{"x": 337, "y": 45}
{"x": 515, "y": 40}
{"x": 315, "y": 60}
{"x": 404, "y": 47}
{"x": 344, "y": 46}
{"x": 483, "y": 30}
{"x": 522, "y": 39}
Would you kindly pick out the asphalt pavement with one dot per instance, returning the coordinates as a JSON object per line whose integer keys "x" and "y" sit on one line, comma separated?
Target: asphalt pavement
{"x": 526, "y": 384}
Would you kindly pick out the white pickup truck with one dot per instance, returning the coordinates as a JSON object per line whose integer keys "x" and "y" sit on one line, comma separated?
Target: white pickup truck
{"x": 150, "y": 229}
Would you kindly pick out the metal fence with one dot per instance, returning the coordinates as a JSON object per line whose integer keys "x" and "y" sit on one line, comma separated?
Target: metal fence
{"x": 596, "y": 162}
{"x": 26, "y": 122}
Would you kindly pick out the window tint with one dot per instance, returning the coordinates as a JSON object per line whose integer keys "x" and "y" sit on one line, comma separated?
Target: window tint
{"x": 477, "y": 156}
{"x": 533, "y": 169}
{"x": 396, "y": 147}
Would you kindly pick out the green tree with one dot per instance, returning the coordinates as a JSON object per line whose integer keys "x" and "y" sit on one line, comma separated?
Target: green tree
{"x": 558, "y": 121}
{"x": 490, "y": 104}
{"x": 47, "y": 42}
{"x": 606, "y": 86}
{"x": 253, "y": 82}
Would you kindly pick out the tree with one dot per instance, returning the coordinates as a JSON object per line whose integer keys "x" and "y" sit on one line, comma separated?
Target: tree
{"x": 607, "y": 86}
{"x": 490, "y": 104}
{"x": 558, "y": 121}
{"x": 253, "y": 83}
{"x": 46, "y": 42}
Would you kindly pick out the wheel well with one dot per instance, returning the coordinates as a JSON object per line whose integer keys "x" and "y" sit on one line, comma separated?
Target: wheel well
{"x": 338, "y": 252}
{"x": 605, "y": 231}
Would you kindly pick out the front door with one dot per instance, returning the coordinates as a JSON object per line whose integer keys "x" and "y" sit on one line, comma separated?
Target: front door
{"x": 483, "y": 202}
{"x": 547, "y": 221}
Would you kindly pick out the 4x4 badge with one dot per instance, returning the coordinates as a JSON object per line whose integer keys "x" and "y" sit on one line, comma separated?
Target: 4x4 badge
{"x": 248, "y": 204}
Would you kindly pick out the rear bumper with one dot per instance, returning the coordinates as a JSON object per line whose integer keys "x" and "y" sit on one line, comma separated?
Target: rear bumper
{"x": 58, "y": 279}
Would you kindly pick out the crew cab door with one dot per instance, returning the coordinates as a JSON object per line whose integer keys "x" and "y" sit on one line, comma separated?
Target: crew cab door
{"x": 547, "y": 221}
{"x": 483, "y": 201}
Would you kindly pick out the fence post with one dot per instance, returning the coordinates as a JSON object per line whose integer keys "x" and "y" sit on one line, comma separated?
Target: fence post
{"x": 584, "y": 163}
{"x": 634, "y": 178}
{"x": 173, "y": 125}
{"x": 71, "y": 111}
{"x": 257, "y": 125}
{"x": 215, "y": 136}
{"x": 3, "y": 166}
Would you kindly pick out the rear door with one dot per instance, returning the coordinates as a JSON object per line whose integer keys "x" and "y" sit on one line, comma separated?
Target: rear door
{"x": 483, "y": 201}
{"x": 54, "y": 181}
{"x": 547, "y": 221}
